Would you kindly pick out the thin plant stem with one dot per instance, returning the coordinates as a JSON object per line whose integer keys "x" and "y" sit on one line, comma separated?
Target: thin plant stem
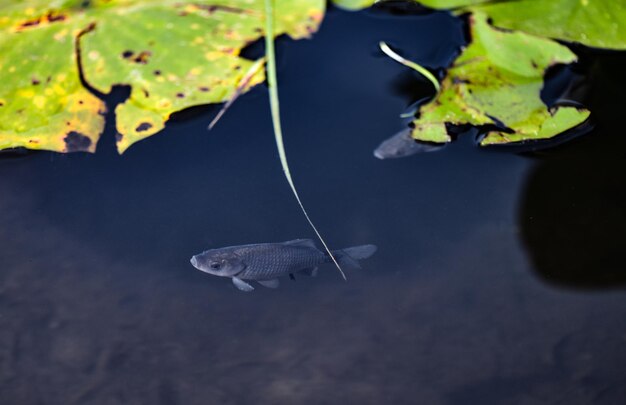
{"x": 421, "y": 70}
{"x": 275, "y": 108}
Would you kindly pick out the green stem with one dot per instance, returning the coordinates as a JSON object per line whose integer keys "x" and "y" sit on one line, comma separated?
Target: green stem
{"x": 274, "y": 105}
{"x": 423, "y": 71}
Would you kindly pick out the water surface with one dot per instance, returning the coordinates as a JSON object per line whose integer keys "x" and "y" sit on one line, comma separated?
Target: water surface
{"x": 499, "y": 276}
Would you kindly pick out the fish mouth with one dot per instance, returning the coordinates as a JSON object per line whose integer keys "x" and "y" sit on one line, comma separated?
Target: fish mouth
{"x": 199, "y": 266}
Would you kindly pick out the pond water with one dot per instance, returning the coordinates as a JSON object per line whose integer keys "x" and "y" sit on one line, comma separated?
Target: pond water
{"x": 499, "y": 278}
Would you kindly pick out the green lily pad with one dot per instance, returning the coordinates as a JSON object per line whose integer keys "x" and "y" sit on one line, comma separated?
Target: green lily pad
{"x": 497, "y": 80}
{"x": 174, "y": 54}
{"x": 596, "y": 23}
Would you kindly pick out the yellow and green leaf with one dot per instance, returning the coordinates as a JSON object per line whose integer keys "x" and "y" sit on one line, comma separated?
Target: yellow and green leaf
{"x": 173, "y": 54}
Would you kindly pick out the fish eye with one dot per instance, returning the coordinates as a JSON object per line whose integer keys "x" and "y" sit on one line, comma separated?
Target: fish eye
{"x": 215, "y": 265}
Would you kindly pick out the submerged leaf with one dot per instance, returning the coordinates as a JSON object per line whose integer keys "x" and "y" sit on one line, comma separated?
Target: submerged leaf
{"x": 497, "y": 80}
{"x": 174, "y": 54}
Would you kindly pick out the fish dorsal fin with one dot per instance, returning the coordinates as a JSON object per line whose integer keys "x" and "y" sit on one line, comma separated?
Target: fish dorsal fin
{"x": 301, "y": 242}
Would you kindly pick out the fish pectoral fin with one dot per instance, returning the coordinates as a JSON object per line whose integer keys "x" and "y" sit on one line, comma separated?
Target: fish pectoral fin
{"x": 273, "y": 283}
{"x": 242, "y": 285}
{"x": 311, "y": 271}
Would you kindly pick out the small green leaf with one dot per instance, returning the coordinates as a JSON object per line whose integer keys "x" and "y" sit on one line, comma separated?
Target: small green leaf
{"x": 498, "y": 79}
{"x": 353, "y": 4}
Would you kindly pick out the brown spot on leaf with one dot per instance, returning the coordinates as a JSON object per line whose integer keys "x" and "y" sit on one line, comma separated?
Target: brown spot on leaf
{"x": 34, "y": 81}
{"x": 145, "y": 92}
{"x": 210, "y": 9}
{"x": 180, "y": 95}
{"x": 203, "y": 89}
{"x": 144, "y": 126}
{"x": 51, "y": 17}
{"x": 157, "y": 73}
{"x": 76, "y": 142}
{"x": 81, "y": 102}
{"x": 141, "y": 57}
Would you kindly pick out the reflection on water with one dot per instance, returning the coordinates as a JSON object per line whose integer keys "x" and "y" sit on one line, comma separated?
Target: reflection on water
{"x": 99, "y": 304}
{"x": 573, "y": 213}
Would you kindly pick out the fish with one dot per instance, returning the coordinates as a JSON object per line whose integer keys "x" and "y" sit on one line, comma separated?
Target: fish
{"x": 402, "y": 145}
{"x": 264, "y": 263}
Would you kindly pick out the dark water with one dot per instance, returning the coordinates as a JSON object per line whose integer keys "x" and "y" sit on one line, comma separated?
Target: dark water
{"x": 500, "y": 276}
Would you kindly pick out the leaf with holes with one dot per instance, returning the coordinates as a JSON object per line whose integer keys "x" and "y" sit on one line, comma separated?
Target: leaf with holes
{"x": 173, "y": 54}
{"x": 497, "y": 80}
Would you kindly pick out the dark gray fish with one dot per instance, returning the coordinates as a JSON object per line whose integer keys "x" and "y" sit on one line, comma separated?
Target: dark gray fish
{"x": 265, "y": 262}
{"x": 402, "y": 144}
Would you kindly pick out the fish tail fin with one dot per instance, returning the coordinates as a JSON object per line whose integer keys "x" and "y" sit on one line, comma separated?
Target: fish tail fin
{"x": 349, "y": 257}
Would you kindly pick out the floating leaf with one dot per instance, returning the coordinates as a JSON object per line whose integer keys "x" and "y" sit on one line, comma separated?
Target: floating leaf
{"x": 597, "y": 23}
{"x": 173, "y": 54}
{"x": 497, "y": 80}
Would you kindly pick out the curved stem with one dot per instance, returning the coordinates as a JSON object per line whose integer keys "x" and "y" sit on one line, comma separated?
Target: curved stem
{"x": 274, "y": 105}
{"x": 423, "y": 71}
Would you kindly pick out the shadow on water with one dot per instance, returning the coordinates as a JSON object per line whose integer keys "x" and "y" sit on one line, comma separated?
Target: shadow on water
{"x": 99, "y": 304}
{"x": 572, "y": 212}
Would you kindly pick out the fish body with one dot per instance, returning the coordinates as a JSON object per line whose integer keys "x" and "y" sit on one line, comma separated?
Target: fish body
{"x": 402, "y": 145}
{"x": 265, "y": 262}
